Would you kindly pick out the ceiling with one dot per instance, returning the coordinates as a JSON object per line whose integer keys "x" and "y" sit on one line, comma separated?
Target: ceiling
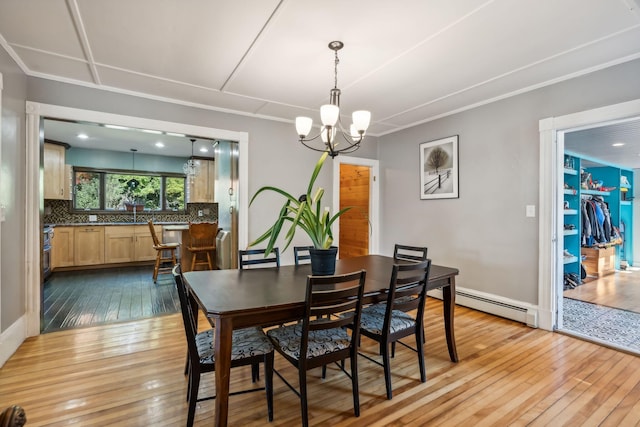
{"x": 407, "y": 64}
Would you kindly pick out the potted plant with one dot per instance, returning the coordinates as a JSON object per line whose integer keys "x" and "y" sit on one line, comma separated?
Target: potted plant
{"x": 132, "y": 200}
{"x": 305, "y": 212}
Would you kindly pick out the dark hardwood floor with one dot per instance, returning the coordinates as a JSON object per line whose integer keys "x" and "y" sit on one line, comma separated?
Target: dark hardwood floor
{"x": 76, "y": 299}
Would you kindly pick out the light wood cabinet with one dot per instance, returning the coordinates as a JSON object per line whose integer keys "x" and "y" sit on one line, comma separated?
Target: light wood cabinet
{"x": 119, "y": 243}
{"x": 200, "y": 189}
{"x": 67, "y": 189}
{"x": 62, "y": 249}
{"x": 129, "y": 243}
{"x": 54, "y": 173}
{"x": 144, "y": 243}
{"x": 89, "y": 245}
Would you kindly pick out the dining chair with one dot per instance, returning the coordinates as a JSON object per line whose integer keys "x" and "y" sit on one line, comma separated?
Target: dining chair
{"x": 257, "y": 258}
{"x": 390, "y": 322}
{"x": 409, "y": 253}
{"x": 250, "y": 346}
{"x": 320, "y": 338}
{"x": 301, "y": 254}
{"x": 161, "y": 249}
{"x": 202, "y": 241}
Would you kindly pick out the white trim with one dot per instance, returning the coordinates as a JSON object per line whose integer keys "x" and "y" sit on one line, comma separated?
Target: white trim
{"x": 36, "y": 111}
{"x": 11, "y": 339}
{"x": 551, "y": 145}
{"x": 374, "y": 196}
{"x": 2, "y": 206}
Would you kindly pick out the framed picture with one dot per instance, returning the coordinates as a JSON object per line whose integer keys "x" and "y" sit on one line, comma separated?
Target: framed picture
{"x": 439, "y": 169}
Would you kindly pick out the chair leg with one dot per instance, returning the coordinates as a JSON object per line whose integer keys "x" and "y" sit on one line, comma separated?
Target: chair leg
{"x": 255, "y": 372}
{"x": 156, "y": 267}
{"x": 324, "y": 371}
{"x": 393, "y": 349}
{"x": 194, "y": 383}
{"x": 302, "y": 374}
{"x": 186, "y": 365}
{"x": 387, "y": 370}
{"x": 268, "y": 383}
{"x": 193, "y": 260}
{"x": 209, "y": 261}
{"x": 173, "y": 257}
{"x": 354, "y": 384}
{"x": 420, "y": 348}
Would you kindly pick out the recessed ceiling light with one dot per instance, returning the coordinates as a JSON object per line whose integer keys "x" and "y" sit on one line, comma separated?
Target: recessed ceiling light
{"x": 116, "y": 127}
{"x": 181, "y": 135}
{"x": 159, "y": 144}
{"x": 83, "y": 136}
{"x": 618, "y": 144}
{"x": 157, "y": 132}
{"x": 204, "y": 150}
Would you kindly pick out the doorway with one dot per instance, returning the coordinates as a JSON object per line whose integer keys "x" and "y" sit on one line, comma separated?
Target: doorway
{"x": 360, "y": 229}
{"x": 551, "y": 262}
{"x": 36, "y": 112}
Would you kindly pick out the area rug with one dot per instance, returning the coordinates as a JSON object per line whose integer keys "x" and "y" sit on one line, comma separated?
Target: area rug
{"x": 619, "y": 328}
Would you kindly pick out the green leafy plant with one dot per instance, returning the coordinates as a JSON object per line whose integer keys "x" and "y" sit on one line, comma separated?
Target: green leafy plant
{"x": 304, "y": 212}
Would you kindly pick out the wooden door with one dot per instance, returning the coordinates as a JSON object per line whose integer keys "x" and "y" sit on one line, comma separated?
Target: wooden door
{"x": 354, "y": 225}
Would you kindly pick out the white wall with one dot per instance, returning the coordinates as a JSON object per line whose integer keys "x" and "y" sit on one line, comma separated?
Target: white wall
{"x": 485, "y": 232}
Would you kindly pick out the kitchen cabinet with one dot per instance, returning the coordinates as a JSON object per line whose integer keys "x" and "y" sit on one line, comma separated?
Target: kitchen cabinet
{"x": 62, "y": 248}
{"x": 129, "y": 243}
{"x": 119, "y": 243}
{"x": 54, "y": 171}
{"x": 89, "y": 245}
{"x": 200, "y": 188}
{"x": 67, "y": 189}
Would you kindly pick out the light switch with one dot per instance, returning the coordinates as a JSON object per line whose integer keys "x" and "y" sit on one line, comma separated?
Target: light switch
{"x": 93, "y": 218}
{"x": 531, "y": 211}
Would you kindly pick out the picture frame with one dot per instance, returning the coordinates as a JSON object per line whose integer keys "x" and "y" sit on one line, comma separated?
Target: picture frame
{"x": 439, "y": 169}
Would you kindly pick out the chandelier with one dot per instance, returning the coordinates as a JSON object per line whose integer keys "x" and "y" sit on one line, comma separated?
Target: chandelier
{"x": 331, "y": 123}
{"x": 191, "y": 168}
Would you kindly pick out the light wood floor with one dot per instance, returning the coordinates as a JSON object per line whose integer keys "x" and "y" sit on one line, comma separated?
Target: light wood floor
{"x": 619, "y": 290}
{"x": 131, "y": 374}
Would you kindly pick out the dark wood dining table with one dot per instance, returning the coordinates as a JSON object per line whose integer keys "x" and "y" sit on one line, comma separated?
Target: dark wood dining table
{"x": 233, "y": 299}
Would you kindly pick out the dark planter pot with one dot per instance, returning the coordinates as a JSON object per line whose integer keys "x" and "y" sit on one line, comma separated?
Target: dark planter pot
{"x": 323, "y": 261}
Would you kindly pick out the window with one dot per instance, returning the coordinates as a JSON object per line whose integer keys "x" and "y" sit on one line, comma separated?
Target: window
{"x": 107, "y": 190}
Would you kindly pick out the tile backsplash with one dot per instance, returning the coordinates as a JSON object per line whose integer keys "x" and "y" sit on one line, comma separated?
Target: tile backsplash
{"x": 59, "y": 212}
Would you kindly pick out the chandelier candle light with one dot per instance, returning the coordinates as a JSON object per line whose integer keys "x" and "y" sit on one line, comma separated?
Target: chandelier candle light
{"x": 191, "y": 168}
{"x": 331, "y": 123}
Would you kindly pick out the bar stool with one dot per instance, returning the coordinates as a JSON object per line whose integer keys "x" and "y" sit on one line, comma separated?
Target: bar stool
{"x": 202, "y": 240}
{"x": 160, "y": 250}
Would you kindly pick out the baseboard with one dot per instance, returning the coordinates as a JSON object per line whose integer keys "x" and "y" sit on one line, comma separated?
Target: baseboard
{"x": 11, "y": 339}
{"x": 494, "y": 304}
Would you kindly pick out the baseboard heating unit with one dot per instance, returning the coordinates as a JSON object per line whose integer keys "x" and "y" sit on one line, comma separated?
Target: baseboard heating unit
{"x": 493, "y": 304}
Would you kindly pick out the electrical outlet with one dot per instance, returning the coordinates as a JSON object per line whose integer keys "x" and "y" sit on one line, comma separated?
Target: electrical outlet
{"x": 93, "y": 218}
{"x": 200, "y": 213}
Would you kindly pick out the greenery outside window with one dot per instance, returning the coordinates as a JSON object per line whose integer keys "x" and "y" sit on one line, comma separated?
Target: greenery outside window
{"x": 113, "y": 191}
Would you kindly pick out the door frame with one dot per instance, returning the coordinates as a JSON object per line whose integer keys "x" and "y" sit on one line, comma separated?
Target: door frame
{"x": 374, "y": 196}
{"x": 36, "y": 113}
{"x": 551, "y": 173}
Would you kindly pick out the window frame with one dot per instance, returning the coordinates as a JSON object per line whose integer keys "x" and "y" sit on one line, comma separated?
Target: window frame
{"x": 104, "y": 171}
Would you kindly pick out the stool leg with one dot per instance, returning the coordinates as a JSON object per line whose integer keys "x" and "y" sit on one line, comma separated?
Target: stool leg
{"x": 193, "y": 260}
{"x": 209, "y": 261}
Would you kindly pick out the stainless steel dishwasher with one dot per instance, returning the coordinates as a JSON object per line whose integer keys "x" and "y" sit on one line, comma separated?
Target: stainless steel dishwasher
{"x": 223, "y": 249}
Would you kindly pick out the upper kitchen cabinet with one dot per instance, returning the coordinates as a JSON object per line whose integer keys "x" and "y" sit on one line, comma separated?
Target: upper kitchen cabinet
{"x": 55, "y": 177}
{"x": 200, "y": 188}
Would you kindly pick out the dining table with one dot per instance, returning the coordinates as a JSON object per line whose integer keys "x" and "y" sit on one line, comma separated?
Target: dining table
{"x": 234, "y": 299}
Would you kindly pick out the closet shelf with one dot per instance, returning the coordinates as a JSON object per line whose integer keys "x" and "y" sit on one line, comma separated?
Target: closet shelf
{"x": 570, "y": 259}
{"x": 595, "y": 192}
{"x": 625, "y": 202}
{"x": 571, "y": 192}
{"x": 570, "y": 232}
{"x": 570, "y": 171}
{"x": 570, "y": 211}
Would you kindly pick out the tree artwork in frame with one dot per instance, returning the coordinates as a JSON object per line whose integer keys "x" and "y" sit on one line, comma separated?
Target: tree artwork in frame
{"x": 439, "y": 169}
